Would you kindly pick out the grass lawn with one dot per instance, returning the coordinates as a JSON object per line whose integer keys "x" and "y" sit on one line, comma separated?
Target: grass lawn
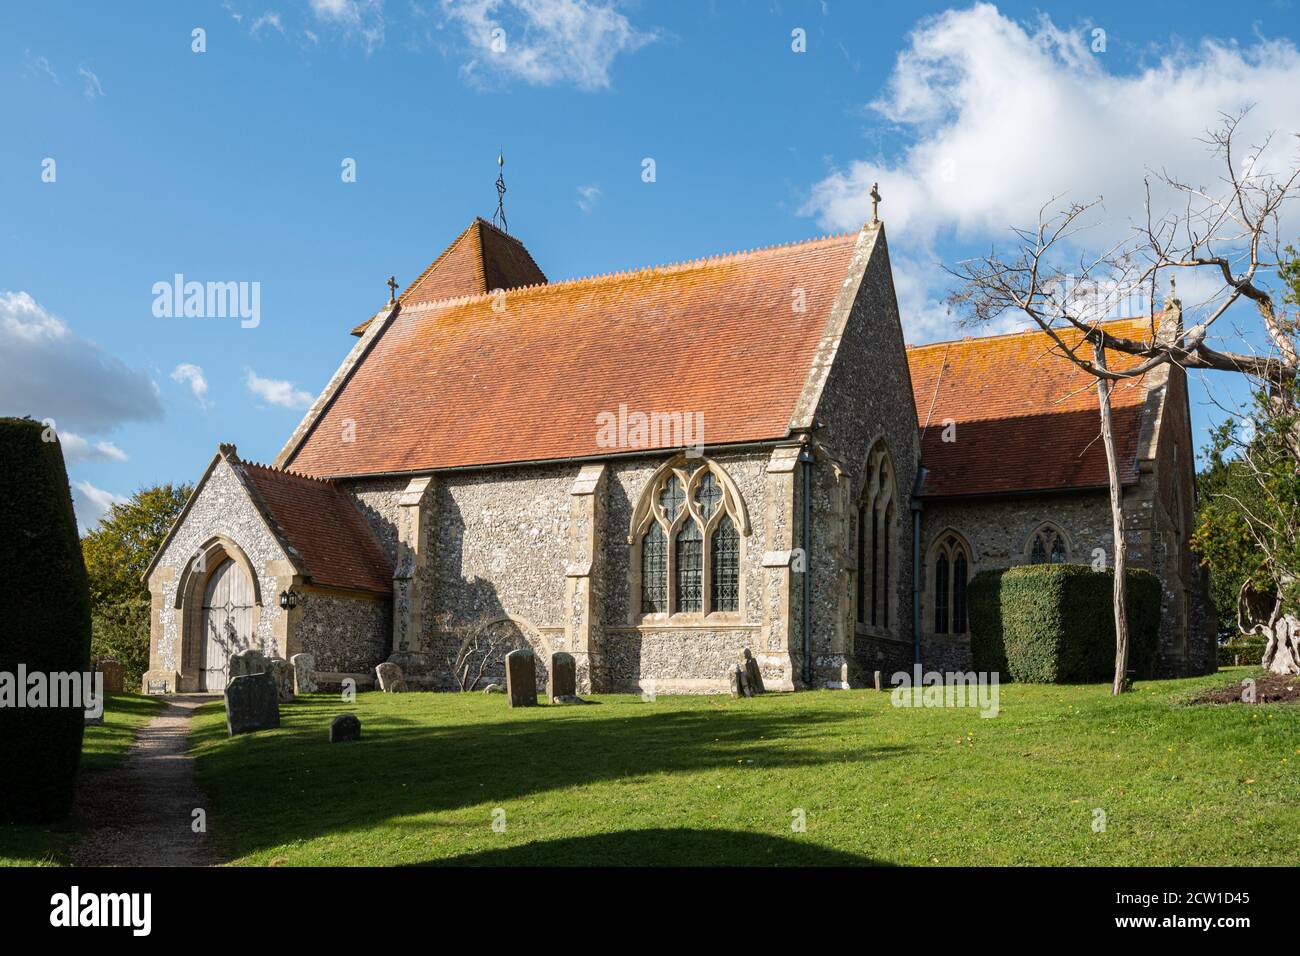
{"x": 103, "y": 748}
{"x": 710, "y": 780}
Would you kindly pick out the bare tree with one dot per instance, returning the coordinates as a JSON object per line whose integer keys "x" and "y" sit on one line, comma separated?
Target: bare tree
{"x": 1230, "y": 232}
{"x": 484, "y": 648}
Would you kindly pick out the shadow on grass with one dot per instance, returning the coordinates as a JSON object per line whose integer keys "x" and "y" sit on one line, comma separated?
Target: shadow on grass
{"x": 291, "y": 784}
{"x": 663, "y": 847}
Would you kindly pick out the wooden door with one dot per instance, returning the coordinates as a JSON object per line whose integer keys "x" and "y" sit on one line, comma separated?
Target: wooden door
{"x": 227, "y": 622}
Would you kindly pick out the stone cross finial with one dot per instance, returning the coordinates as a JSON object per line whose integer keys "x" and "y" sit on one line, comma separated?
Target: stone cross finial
{"x": 875, "y": 202}
{"x": 392, "y": 289}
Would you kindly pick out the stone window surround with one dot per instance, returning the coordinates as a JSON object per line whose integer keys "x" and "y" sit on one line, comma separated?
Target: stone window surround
{"x": 879, "y": 464}
{"x": 938, "y": 546}
{"x": 687, "y": 470}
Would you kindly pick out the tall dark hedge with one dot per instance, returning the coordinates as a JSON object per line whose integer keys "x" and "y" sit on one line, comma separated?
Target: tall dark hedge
{"x": 1055, "y": 623}
{"x": 44, "y": 622}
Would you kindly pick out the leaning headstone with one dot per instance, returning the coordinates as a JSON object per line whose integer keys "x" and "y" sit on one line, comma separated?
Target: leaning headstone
{"x": 304, "y": 673}
{"x": 252, "y": 703}
{"x": 562, "y": 679}
{"x": 390, "y": 678}
{"x": 735, "y": 677}
{"x": 113, "y": 674}
{"x": 279, "y": 668}
{"x": 753, "y": 676}
{"x": 521, "y": 678}
{"x": 345, "y": 727}
{"x": 247, "y": 662}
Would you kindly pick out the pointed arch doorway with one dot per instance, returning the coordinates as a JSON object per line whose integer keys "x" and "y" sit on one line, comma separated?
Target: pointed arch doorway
{"x": 227, "y": 622}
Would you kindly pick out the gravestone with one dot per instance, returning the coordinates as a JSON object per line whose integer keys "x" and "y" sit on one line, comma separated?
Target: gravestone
{"x": 391, "y": 680}
{"x": 562, "y": 679}
{"x": 252, "y": 703}
{"x": 879, "y": 680}
{"x": 279, "y": 668}
{"x": 753, "y": 676}
{"x": 113, "y": 674}
{"x": 156, "y": 687}
{"x": 344, "y": 727}
{"x": 304, "y": 673}
{"x": 734, "y": 677}
{"x": 247, "y": 662}
{"x": 521, "y": 678}
{"x": 494, "y": 689}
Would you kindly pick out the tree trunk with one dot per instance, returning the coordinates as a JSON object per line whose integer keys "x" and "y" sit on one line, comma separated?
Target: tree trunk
{"x": 1117, "y": 527}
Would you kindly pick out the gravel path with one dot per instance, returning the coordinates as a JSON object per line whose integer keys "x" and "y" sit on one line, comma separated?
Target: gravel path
{"x": 141, "y": 814}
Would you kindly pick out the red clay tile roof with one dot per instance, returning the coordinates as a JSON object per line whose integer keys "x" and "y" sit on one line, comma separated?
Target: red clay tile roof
{"x": 459, "y": 383}
{"x": 481, "y": 259}
{"x": 335, "y": 545}
{"x": 1026, "y": 418}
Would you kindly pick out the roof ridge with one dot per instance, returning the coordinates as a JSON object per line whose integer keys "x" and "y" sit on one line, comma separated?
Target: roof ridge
{"x": 291, "y": 473}
{"x": 680, "y": 265}
{"x": 1008, "y": 335}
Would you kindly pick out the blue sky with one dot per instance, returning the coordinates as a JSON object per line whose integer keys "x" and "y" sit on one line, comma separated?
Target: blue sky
{"x": 225, "y": 165}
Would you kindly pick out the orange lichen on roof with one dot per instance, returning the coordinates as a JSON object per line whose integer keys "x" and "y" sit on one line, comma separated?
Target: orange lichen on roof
{"x": 336, "y": 547}
{"x": 1006, "y": 413}
{"x": 482, "y": 258}
{"x": 485, "y": 380}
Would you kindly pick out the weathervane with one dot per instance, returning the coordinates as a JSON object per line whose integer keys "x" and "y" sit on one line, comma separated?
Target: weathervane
{"x": 501, "y": 195}
{"x": 875, "y": 202}
{"x": 392, "y": 289}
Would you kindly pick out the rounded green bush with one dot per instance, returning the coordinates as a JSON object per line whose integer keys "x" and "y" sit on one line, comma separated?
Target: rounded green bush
{"x": 45, "y": 611}
{"x": 1055, "y": 623}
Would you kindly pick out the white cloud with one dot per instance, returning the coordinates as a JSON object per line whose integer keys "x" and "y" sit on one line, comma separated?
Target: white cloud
{"x": 39, "y": 66}
{"x": 275, "y": 391}
{"x": 1000, "y": 117}
{"x": 77, "y": 449}
{"x": 192, "y": 375}
{"x": 47, "y": 371}
{"x": 544, "y": 42}
{"x": 91, "y": 503}
{"x": 588, "y": 196}
{"x": 269, "y": 19}
{"x": 91, "y": 88}
{"x": 363, "y": 19}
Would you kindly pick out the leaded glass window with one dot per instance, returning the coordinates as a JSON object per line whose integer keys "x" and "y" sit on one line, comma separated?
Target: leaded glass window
{"x": 688, "y": 525}
{"x": 941, "y": 595}
{"x": 876, "y": 540}
{"x": 1048, "y": 546}
{"x": 708, "y": 495}
{"x": 654, "y": 571}
{"x": 951, "y": 570}
{"x": 959, "y": 594}
{"x": 671, "y": 498}
{"x": 726, "y": 567}
{"x": 690, "y": 567}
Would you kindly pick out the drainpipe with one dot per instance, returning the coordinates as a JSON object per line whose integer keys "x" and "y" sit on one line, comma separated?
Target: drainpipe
{"x": 916, "y": 565}
{"x": 806, "y": 459}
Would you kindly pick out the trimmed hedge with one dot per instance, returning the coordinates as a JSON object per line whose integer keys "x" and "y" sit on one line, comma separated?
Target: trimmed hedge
{"x": 1243, "y": 649}
{"x": 44, "y": 622}
{"x": 1055, "y": 623}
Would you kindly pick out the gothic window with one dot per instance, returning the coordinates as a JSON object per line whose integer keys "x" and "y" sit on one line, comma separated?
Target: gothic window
{"x": 1047, "y": 546}
{"x": 877, "y": 540}
{"x": 687, "y": 529}
{"x": 949, "y": 572}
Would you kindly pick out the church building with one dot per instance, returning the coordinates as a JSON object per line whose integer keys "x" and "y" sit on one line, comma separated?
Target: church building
{"x": 654, "y": 470}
